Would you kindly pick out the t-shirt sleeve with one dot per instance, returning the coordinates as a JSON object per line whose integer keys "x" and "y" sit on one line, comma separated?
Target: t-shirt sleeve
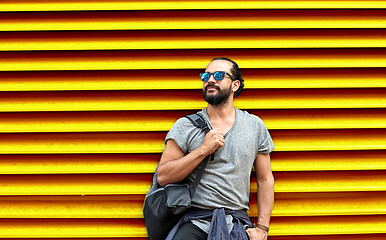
{"x": 180, "y": 133}
{"x": 265, "y": 143}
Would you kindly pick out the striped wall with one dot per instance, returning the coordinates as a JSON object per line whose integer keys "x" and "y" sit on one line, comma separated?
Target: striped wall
{"x": 89, "y": 88}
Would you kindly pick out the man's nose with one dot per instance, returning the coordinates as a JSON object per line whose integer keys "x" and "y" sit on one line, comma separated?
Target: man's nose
{"x": 211, "y": 79}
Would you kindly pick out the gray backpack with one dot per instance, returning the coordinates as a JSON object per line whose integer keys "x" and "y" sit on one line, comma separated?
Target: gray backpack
{"x": 165, "y": 206}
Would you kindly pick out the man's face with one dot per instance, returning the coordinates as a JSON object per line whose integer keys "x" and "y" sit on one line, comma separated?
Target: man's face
{"x": 217, "y": 92}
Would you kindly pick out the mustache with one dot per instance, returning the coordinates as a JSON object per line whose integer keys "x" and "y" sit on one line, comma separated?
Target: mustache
{"x": 212, "y": 85}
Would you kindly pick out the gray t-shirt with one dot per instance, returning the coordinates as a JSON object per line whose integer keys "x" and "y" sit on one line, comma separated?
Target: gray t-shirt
{"x": 226, "y": 180}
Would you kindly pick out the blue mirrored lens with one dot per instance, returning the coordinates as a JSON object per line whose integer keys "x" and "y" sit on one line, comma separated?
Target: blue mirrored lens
{"x": 205, "y": 76}
{"x": 219, "y": 75}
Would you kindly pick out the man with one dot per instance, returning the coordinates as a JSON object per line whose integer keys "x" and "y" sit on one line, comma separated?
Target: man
{"x": 239, "y": 141}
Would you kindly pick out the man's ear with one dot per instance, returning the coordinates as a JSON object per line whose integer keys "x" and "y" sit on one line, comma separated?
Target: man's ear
{"x": 235, "y": 85}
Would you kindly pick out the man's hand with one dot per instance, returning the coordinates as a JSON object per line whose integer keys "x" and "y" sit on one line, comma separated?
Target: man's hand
{"x": 256, "y": 234}
{"x": 175, "y": 166}
{"x": 213, "y": 141}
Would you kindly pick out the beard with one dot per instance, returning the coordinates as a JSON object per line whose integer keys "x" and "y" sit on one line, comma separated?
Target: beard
{"x": 218, "y": 99}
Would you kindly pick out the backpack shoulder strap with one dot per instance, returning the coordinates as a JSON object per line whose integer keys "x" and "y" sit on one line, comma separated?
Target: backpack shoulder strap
{"x": 199, "y": 122}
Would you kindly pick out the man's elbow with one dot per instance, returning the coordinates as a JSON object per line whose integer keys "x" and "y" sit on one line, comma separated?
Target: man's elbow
{"x": 161, "y": 179}
{"x": 271, "y": 181}
{"x": 267, "y": 181}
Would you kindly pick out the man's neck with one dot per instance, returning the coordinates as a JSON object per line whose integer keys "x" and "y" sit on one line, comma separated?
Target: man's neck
{"x": 223, "y": 112}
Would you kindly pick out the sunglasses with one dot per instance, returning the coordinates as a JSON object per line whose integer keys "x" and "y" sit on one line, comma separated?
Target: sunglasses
{"x": 219, "y": 75}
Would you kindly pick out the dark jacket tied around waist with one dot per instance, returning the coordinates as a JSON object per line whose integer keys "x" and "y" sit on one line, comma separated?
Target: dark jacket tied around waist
{"x": 218, "y": 229}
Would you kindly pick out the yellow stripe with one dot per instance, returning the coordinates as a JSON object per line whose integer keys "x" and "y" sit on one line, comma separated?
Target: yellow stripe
{"x": 333, "y": 237}
{"x": 134, "y": 228}
{"x": 204, "y": 19}
{"x": 325, "y": 207}
{"x": 82, "y": 143}
{"x": 133, "y": 208}
{"x": 146, "y": 163}
{"x": 166, "y": 79}
{"x": 162, "y": 121}
{"x": 101, "y": 184}
{"x": 329, "y": 140}
{"x": 89, "y": 121}
{"x": 188, "y": 59}
{"x": 299, "y": 140}
{"x": 282, "y": 99}
{"x": 323, "y": 119}
{"x": 71, "y": 209}
{"x": 328, "y": 161}
{"x": 118, "y": 184}
{"x": 102, "y": 80}
{"x": 314, "y": 78}
{"x": 73, "y": 164}
{"x": 192, "y": 39}
{"x": 92, "y": 228}
{"x": 328, "y": 225}
{"x": 39, "y": 5}
{"x": 327, "y": 181}
{"x": 185, "y": 100}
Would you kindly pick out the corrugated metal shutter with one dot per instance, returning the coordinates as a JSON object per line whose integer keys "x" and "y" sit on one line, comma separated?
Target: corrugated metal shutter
{"x": 89, "y": 89}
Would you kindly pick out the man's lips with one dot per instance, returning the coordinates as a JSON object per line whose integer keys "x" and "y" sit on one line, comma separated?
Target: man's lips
{"x": 211, "y": 87}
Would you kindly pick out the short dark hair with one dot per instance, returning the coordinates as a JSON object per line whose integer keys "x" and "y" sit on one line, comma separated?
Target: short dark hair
{"x": 235, "y": 72}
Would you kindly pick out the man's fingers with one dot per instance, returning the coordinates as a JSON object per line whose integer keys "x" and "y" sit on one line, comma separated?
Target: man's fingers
{"x": 220, "y": 139}
{"x": 214, "y": 139}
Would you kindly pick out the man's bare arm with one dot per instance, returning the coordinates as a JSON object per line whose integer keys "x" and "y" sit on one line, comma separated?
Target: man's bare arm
{"x": 265, "y": 196}
{"x": 265, "y": 188}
